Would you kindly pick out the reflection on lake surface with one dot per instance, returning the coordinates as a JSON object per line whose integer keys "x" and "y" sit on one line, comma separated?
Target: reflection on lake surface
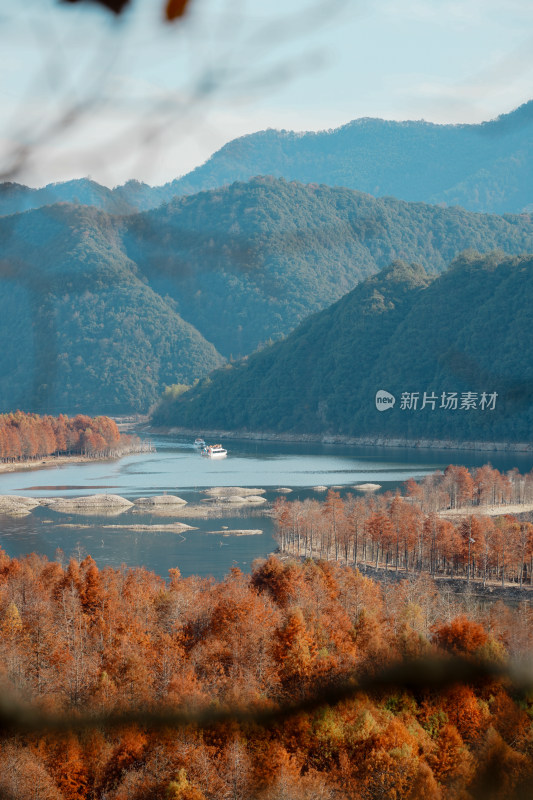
{"x": 178, "y": 468}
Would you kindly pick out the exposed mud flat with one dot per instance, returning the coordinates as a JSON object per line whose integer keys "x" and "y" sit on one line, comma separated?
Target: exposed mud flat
{"x": 235, "y": 499}
{"x": 15, "y": 505}
{"x": 94, "y": 502}
{"x": 81, "y": 526}
{"x": 47, "y": 461}
{"x": 160, "y": 500}
{"x": 172, "y": 527}
{"x": 209, "y": 510}
{"x": 486, "y": 511}
{"x": 225, "y": 491}
{"x": 227, "y": 532}
{"x": 112, "y": 505}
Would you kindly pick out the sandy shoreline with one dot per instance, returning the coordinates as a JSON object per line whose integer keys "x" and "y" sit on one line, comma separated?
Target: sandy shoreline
{"x": 486, "y": 511}
{"x": 50, "y": 461}
{"x": 366, "y": 441}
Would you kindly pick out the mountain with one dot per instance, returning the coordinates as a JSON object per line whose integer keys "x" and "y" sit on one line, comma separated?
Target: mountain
{"x": 16, "y": 198}
{"x": 460, "y": 339}
{"x": 485, "y": 167}
{"x": 129, "y": 198}
{"x": 80, "y": 330}
{"x": 248, "y": 262}
{"x": 99, "y": 312}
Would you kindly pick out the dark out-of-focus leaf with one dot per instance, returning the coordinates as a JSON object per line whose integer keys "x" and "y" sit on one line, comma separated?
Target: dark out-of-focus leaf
{"x": 116, "y": 6}
{"x": 175, "y": 9}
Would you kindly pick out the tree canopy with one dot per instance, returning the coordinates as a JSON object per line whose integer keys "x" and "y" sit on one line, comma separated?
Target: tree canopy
{"x": 440, "y": 346}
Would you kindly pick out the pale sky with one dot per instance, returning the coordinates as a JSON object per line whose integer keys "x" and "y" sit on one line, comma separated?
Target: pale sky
{"x": 83, "y": 94}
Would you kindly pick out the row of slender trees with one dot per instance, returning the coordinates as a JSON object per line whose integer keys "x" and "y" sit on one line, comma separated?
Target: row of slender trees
{"x": 394, "y": 532}
{"x": 458, "y": 487}
{"x": 29, "y": 436}
{"x": 77, "y": 639}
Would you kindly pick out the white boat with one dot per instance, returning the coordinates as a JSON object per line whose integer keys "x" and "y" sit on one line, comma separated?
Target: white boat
{"x": 214, "y": 451}
{"x": 199, "y": 443}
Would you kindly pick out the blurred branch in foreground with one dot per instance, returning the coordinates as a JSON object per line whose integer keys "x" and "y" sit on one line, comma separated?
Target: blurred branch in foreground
{"x": 88, "y": 85}
{"x": 490, "y": 781}
{"x": 427, "y": 674}
{"x": 173, "y": 8}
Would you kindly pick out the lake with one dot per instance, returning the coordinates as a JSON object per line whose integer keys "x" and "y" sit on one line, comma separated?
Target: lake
{"x": 178, "y": 468}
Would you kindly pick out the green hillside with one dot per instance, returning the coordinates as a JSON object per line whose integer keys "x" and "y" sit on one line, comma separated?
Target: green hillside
{"x": 129, "y": 198}
{"x": 485, "y": 167}
{"x": 466, "y": 331}
{"x": 16, "y": 198}
{"x": 248, "y": 262}
{"x": 99, "y": 312}
{"x": 80, "y": 330}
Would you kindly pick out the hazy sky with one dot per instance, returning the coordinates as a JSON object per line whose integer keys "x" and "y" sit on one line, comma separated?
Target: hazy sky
{"x": 83, "y": 94}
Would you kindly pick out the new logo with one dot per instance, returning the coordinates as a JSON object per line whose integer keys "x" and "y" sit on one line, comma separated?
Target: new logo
{"x": 384, "y": 400}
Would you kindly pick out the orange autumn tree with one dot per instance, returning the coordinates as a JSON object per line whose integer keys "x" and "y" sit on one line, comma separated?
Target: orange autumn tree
{"x": 461, "y": 636}
{"x": 30, "y": 436}
{"x": 415, "y": 533}
{"x": 82, "y": 639}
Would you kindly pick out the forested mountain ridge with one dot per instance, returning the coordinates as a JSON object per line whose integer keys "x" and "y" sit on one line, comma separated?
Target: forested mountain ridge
{"x": 128, "y": 198}
{"x": 99, "y": 311}
{"x": 455, "y": 353}
{"x": 79, "y": 327}
{"x": 248, "y": 262}
{"x": 484, "y": 167}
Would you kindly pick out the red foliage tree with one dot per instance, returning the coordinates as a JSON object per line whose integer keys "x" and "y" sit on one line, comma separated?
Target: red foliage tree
{"x": 461, "y": 636}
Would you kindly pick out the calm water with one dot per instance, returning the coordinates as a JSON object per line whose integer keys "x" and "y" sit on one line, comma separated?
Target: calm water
{"x": 178, "y": 468}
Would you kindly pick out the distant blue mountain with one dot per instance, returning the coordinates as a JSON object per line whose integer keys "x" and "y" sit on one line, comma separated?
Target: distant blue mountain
{"x": 485, "y": 168}
{"x": 131, "y": 197}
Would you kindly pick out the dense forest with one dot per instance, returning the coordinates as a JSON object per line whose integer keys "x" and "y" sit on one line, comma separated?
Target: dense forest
{"x": 455, "y": 352}
{"x": 98, "y": 312}
{"x": 80, "y": 328}
{"x": 28, "y": 436}
{"x": 16, "y": 198}
{"x": 90, "y": 642}
{"x": 247, "y": 263}
{"x": 129, "y": 198}
{"x": 485, "y": 167}
{"x": 423, "y": 531}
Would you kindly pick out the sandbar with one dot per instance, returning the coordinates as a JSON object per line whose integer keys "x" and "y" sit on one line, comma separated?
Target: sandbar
{"x": 221, "y": 491}
{"x": 226, "y": 532}
{"x": 160, "y": 500}
{"x": 92, "y": 504}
